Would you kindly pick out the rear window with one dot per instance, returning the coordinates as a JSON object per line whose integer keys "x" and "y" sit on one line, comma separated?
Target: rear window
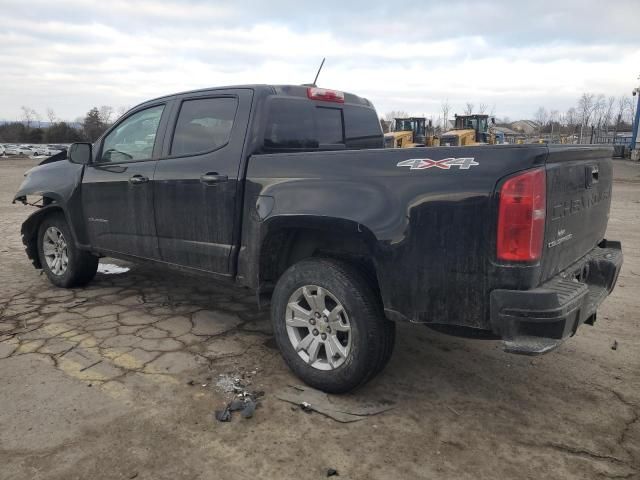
{"x": 302, "y": 125}
{"x": 204, "y": 124}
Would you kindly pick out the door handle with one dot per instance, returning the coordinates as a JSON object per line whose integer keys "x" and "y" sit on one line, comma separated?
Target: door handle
{"x": 138, "y": 179}
{"x": 212, "y": 178}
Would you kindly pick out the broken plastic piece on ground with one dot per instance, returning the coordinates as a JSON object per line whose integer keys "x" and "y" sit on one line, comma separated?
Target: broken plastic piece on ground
{"x": 340, "y": 409}
{"x": 236, "y": 405}
{"x": 332, "y": 472}
{"x": 110, "y": 268}
{"x": 223, "y": 415}
{"x": 246, "y": 403}
{"x": 249, "y": 409}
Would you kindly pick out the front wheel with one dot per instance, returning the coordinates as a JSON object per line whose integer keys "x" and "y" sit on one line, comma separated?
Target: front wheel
{"x": 64, "y": 264}
{"x": 329, "y": 325}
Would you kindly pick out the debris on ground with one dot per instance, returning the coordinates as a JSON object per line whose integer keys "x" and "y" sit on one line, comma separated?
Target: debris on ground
{"x": 111, "y": 269}
{"x": 223, "y": 415}
{"x": 340, "y": 409}
{"x": 246, "y": 401}
{"x": 246, "y": 406}
{"x": 615, "y": 345}
{"x": 192, "y": 383}
{"x": 237, "y": 383}
{"x": 249, "y": 408}
{"x": 332, "y": 472}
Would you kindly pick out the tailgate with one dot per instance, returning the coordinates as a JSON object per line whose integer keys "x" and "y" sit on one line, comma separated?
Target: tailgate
{"x": 579, "y": 180}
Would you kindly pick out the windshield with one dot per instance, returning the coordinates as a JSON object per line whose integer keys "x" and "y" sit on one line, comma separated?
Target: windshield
{"x": 409, "y": 124}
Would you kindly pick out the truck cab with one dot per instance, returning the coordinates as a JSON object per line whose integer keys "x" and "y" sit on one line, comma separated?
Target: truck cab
{"x": 469, "y": 130}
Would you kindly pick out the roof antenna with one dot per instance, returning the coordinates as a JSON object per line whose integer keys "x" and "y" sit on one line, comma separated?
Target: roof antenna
{"x": 316, "y": 79}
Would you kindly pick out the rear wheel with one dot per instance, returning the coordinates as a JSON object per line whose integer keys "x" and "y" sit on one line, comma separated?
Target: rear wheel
{"x": 64, "y": 264}
{"x": 329, "y": 325}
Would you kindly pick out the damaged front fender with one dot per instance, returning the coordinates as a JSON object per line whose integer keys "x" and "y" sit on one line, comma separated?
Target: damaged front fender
{"x": 57, "y": 184}
{"x": 55, "y": 181}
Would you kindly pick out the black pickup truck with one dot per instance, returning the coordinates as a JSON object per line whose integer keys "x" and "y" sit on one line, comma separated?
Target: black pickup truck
{"x": 287, "y": 191}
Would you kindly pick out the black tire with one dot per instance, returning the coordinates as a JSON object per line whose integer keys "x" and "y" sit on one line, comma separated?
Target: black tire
{"x": 82, "y": 266}
{"x": 373, "y": 336}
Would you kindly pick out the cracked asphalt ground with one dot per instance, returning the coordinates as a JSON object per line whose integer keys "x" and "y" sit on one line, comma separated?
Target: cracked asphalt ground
{"x": 94, "y": 383}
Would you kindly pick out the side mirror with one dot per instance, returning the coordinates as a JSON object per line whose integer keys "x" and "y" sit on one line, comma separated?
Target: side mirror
{"x": 80, "y": 153}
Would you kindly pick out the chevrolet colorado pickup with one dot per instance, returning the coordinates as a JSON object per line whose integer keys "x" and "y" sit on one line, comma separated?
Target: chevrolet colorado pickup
{"x": 286, "y": 190}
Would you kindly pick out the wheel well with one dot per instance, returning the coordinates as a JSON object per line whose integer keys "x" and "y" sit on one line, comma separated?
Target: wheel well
{"x": 30, "y": 229}
{"x": 287, "y": 246}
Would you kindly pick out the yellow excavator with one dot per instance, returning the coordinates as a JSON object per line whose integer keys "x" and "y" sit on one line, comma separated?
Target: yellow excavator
{"x": 410, "y": 132}
{"x": 469, "y": 130}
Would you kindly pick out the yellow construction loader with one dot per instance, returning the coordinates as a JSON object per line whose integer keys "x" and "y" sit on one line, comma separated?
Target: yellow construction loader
{"x": 410, "y": 132}
{"x": 469, "y": 130}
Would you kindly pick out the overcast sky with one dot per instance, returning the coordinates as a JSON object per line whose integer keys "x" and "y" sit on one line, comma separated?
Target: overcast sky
{"x": 70, "y": 55}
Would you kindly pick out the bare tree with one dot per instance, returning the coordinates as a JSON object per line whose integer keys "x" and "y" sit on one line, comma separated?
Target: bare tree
{"x": 28, "y": 115}
{"x": 37, "y": 117}
{"x": 106, "y": 112}
{"x": 621, "y": 107}
{"x": 468, "y": 109}
{"x": 51, "y": 115}
{"x": 393, "y": 114}
{"x": 599, "y": 109}
{"x": 541, "y": 117}
{"x": 554, "y": 117}
{"x": 483, "y": 108}
{"x": 444, "y": 108}
{"x": 586, "y": 105}
{"x": 607, "y": 117}
{"x": 121, "y": 110}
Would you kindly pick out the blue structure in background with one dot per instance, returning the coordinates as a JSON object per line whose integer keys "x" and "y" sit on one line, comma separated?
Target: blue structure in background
{"x": 636, "y": 120}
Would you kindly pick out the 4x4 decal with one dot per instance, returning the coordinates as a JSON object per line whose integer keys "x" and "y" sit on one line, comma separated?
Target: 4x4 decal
{"x": 464, "y": 163}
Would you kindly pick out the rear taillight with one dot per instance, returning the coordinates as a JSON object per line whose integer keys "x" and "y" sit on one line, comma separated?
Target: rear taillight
{"x": 521, "y": 217}
{"x": 326, "y": 95}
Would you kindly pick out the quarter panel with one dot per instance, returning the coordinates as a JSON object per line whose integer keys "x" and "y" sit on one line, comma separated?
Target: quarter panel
{"x": 432, "y": 226}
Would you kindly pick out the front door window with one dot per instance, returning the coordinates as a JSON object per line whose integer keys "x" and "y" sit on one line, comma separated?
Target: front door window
{"x": 134, "y": 138}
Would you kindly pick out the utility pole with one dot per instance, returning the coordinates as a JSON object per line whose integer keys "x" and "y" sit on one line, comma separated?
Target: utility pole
{"x": 636, "y": 121}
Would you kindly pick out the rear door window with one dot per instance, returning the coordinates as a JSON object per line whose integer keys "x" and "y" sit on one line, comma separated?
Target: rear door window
{"x": 203, "y": 125}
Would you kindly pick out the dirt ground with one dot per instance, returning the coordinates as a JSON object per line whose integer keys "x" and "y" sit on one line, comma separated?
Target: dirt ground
{"x": 95, "y": 383}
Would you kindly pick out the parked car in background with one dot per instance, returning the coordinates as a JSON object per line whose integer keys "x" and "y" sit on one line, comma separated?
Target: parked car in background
{"x": 49, "y": 150}
{"x": 19, "y": 150}
{"x": 38, "y": 150}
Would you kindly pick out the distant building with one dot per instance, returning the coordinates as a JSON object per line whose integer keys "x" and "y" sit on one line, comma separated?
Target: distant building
{"x": 506, "y": 131}
{"x": 510, "y": 136}
{"x": 528, "y": 127}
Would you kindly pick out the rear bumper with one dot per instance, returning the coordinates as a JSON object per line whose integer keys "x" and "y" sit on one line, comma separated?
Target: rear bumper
{"x": 536, "y": 321}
